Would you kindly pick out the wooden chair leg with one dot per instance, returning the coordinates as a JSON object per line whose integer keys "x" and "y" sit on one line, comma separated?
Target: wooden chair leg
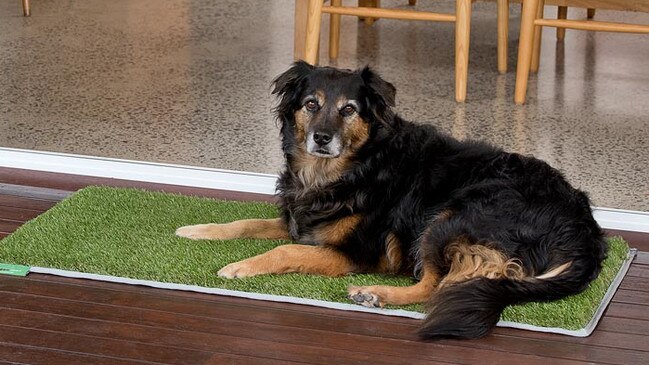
{"x": 314, "y": 17}
{"x": 590, "y": 13}
{"x": 525, "y": 45}
{"x": 369, "y": 4}
{"x": 27, "y": 11}
{"x": 299, "y": 29}
{"x": 538, "y": 33}
{"x": 562, "y": 13}
{"x": 412, "y": 2}
{"x": 503, "y": 34}
{"x": 462, "y": 35}
{"x": 334, "y": 31}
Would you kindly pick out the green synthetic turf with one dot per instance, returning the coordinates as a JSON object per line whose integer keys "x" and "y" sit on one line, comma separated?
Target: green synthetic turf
{"x": 130, "y": 233}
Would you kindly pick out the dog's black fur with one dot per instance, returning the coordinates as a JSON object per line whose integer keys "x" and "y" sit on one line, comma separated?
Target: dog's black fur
{"x": 398, "y": 176}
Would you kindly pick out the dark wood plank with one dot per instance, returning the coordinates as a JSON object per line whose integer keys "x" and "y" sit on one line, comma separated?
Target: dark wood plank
{"x": 105, "y": 347}
{"x": 642, "y": 258}
{"x": 180, "y": 342}
{"x": 562, "y": 350}
{"x": 7, "y": 226}
{"x": 39, "y": 356}
{"x": 212, "y": 324}
{"x": 635, "y": 283}
{"x": 68, "y": 182}
{"x": 109, "y": 346}
{"x": 34, "y": 192}
{"x": 630, "y": 311}
{"x": 637, "y": 240}
{"x": 640, "y": 271}
{"x": 600, "y": 338}
{"x": 631, "y": 297}
{"x": 27, "y": 203}
{"x": 187, "y": 302}
{"x": 624, "y": 325}
{"x": 18, "y": 214}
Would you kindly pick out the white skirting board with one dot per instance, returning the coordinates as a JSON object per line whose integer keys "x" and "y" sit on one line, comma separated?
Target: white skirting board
{"x": 201, "y": 177}
{"x": 583, "y": 332}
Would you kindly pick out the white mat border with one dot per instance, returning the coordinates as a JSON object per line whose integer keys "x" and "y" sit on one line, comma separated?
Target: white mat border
{"x": 584, "y": 332}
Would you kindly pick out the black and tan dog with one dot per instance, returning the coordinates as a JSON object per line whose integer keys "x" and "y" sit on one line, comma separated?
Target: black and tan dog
{"x": 366, "y": 191}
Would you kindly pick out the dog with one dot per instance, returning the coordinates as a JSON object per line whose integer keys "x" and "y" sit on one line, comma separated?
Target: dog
{"x": 365, "y": 191}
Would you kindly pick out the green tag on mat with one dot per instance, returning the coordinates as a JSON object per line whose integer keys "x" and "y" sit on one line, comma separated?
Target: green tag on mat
{"x": 16, "y": 270}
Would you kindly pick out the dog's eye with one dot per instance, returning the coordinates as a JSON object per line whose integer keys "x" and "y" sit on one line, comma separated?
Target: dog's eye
{"x": 347, "y": 110}
{"x": 311, "y": 105}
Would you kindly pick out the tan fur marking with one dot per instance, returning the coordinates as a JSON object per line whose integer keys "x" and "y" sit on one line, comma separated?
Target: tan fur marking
{"x": 246, "y": 228}
{"x": 391, "y": 262}
{"x": 291, "y": 258}
{"x": 356, "y": 132}
{"x": 554, "y": 272}
{"x": 313, "y": 171}
{"x": 470, "y": 261}
{"x": 397, "y": 295}
{"x": 320, "y": 97}
{"x": 301, "y": 120}
{"x": 336, "y": 232}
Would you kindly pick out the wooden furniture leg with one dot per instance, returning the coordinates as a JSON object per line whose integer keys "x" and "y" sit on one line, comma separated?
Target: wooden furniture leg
{"x": 538, "y": 33}
{"x": 503, "y": 34}
{"x": 314, "y": 15}
{"x": 590, "y": 13}
{"x": 299, "y": 30}
{"x": 525, "y": 45}
{"x": 369, "y": 4}
{"x": 462, "y": 35}
{"x": 334, "y": 31}
{"x": 562, "y": 13}
{"x": 27, "y": 11}
{"x": 412, "y": 2}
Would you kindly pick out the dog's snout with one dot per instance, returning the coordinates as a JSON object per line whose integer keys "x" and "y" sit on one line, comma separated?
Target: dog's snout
{"x": 322, "y": 138}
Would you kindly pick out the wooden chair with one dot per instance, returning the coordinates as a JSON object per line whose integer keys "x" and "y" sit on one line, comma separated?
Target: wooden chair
{"x": 26, "y": 9}
{"x": 562, "y": 13}
{"x": 532, "y": 22}
{"x": 461, "y": 18}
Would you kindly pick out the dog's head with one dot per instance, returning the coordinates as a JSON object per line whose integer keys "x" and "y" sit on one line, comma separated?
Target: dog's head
{"x": 329, "y": 112}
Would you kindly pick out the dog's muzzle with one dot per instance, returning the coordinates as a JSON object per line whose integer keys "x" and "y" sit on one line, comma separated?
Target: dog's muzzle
{"x": 323, "y": 144}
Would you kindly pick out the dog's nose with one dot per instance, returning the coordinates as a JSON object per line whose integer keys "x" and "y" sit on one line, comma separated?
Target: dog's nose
{"x": 321, "y": 138}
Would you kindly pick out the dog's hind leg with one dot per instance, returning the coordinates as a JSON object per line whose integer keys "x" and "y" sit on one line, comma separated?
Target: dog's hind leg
{"x": 291, "y": 258}
{"x": 380, "y": 295}
{"x": 246, "y": 228}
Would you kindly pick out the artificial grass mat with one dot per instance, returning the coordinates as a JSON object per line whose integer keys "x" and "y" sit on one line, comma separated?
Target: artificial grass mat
{"x": 130, "y": 233}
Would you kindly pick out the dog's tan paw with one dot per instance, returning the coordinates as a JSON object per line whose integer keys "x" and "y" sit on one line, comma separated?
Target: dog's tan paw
{"x": 241, "y": 269}
{"x": 365, "y": 296}
{"x": 210, "y": 231}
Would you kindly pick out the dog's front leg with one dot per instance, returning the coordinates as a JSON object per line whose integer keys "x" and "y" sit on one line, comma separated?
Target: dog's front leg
{"x": 291, "y": 258}
{"x": 246, "y": 228}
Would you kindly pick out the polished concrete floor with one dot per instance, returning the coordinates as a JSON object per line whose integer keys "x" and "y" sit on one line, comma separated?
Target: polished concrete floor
{"x": 188, "y": 82}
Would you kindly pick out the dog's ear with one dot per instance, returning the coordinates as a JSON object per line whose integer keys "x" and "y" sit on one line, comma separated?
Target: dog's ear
{"x": 381, "y": 95}
{"x": 289, "y": 80}
{"x": 379, "y": 87}
{"x": 287, "y": 88}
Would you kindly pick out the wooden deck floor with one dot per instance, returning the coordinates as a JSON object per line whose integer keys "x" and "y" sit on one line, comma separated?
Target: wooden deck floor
{"x": 51, "y": 320}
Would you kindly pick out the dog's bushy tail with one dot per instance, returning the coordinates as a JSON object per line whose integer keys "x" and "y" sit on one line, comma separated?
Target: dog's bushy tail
{"x": 470, "y": 309}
